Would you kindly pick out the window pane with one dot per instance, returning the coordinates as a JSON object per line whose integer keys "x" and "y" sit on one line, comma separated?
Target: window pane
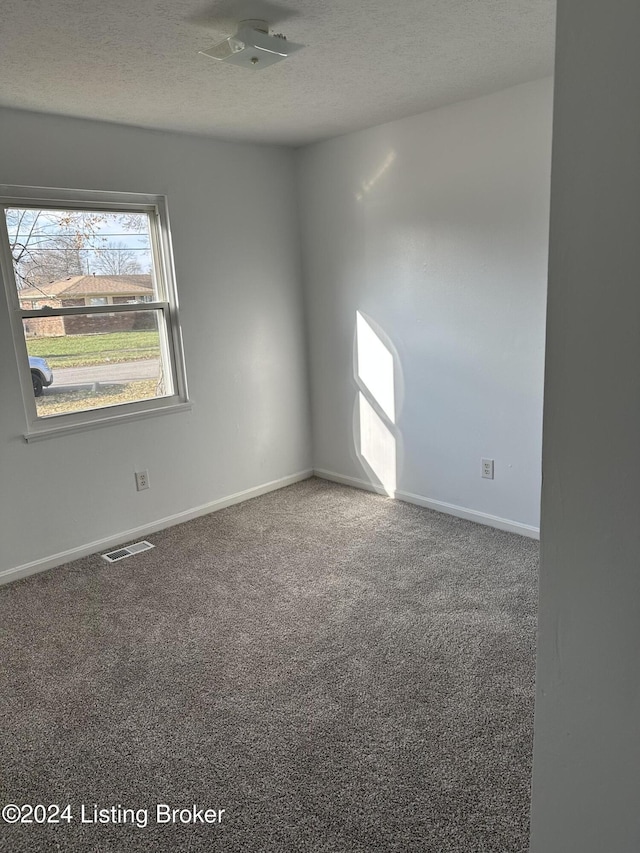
{"x": 97, "y": 360}
{"x": 94, "y": 255}
{"x": 130, "y": 300}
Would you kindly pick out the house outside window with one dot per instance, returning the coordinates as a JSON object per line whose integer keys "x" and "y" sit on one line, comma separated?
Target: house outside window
{"x": 90, "y": 286}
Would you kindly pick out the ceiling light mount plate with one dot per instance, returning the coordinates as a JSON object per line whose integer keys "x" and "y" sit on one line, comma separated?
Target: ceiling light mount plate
{"x": 252, "y": 46}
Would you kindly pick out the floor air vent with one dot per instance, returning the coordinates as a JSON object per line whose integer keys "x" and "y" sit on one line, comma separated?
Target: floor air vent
{"x": 129, "y": 551}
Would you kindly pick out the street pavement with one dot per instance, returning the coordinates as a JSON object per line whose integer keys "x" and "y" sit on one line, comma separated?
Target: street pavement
{"x": 120, "y": 372}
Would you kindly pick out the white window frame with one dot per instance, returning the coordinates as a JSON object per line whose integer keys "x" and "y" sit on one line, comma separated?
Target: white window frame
{"x": 166, "y": 302}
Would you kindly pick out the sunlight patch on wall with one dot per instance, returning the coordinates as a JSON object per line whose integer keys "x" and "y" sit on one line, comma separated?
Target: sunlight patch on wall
{"x": 376, "y": 443}
{"x": 368, "y": 185}
{"x": 375, "y": 367}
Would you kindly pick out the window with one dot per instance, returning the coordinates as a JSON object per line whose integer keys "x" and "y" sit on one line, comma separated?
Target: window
{"x": 124, "y": 300}
{"x": 89, "y": 280}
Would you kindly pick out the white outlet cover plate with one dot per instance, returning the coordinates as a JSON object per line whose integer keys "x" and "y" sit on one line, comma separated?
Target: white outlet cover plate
{"x": 487, "y": 469}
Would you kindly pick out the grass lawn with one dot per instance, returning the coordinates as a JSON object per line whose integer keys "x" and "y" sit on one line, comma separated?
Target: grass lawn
{"x": 85, "y": 350}
{"x": 52, "y": 403}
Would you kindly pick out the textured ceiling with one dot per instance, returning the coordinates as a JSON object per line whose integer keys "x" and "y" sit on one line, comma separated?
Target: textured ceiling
{"x": 365, "y": 61}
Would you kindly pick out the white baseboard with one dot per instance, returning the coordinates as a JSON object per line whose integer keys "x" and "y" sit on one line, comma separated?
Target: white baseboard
{"x": 439, "y": 506}
{"x": 42, "y": 565}
{"x": 51, "y": 562}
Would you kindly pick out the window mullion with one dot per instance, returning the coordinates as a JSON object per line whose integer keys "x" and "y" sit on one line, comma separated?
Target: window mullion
{"x": 30, "y": 313}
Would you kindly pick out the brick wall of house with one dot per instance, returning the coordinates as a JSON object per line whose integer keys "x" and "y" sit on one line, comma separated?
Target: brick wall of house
{"x": 44, "y": 327}
{"x": 90, "y": 324}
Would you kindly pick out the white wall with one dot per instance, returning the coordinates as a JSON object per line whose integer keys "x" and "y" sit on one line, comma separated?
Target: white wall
{"x": 586, "y": 787}
{"x": 436, "y": 229}
{"x": 233, "y": 216}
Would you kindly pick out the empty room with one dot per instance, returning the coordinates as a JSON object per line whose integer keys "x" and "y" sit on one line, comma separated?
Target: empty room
{"x": 318, "y": 426}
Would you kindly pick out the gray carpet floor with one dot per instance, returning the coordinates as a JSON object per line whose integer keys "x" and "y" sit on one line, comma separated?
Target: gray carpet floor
{"x": 338, "y": 671}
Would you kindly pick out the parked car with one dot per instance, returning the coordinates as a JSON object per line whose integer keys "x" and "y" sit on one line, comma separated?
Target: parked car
{"x": 41, "y": 374}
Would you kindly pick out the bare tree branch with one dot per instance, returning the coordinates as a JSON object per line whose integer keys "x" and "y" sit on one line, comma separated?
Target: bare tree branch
{"x": 116, "y": 259}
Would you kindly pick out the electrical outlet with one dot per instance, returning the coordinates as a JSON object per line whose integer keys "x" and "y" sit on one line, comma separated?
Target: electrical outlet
{"x": 142, "y": 480}
{"x": 487, "y": 469}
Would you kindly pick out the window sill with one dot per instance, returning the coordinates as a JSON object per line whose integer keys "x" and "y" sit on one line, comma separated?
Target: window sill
{"x": 46, "y": 432}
